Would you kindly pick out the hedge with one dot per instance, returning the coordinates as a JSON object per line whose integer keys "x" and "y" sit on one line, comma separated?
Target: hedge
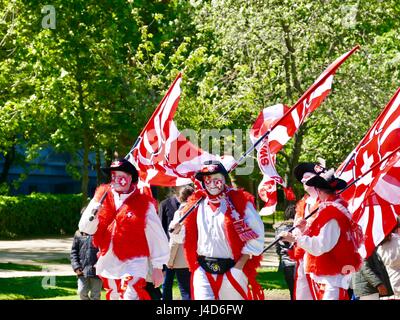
{"x": 39, "y": 214}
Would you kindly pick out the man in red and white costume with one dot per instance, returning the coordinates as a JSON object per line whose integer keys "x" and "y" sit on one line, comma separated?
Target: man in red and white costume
{"x": 329, "y": 242}
{"x": 129, "y": 234}
{"x": 224, "y": 239}
{"x": 302, "y": 281}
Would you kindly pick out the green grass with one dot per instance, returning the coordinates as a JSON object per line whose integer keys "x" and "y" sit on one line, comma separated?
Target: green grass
{"x": 19, "y": 267}
{"x": 64, "y": 287}
{"x": 271, "y": 279}
{"x": 270, "y": 220}
{"x": 55, "y": 261}
{"x": 37, "y": 287}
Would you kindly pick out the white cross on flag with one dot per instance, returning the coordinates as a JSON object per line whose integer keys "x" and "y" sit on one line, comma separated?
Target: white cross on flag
{"x": 374, "y": 199}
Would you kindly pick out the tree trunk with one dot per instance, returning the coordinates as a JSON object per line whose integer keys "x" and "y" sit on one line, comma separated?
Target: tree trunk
{"x": 99, "y": 175}
{"x": 293, "y": 83}
{"x": 8, "y": 161}
{"x": 294, "y": 159}
{"x": 85, "y": 169}
{"x": 292, "y": 59}
{"x": 86, "y": 144}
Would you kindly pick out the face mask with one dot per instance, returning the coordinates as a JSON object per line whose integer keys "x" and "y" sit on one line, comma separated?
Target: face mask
{"x": 214, "y": 183}
{"x": 311, "y": 191}
{"x": 120, "y": 181}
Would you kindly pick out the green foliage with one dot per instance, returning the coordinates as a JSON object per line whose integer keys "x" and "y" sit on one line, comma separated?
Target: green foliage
{"x": 92, "y": 83}
{"x": 4, "y": 189}
{"x": 39, "y": 215}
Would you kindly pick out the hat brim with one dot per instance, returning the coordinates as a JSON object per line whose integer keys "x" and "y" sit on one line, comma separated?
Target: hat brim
{"x": 200, "y": 175}
{"x": 133, "y": 173}
{"x": 321, "y": 183}
{"x": 302, "y": 168}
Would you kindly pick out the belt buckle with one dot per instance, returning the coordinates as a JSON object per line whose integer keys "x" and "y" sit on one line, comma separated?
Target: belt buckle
{"x": 215, "y": 267}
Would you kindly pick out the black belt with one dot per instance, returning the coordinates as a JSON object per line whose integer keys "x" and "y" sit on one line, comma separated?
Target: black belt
{"x": 215, "y": 265}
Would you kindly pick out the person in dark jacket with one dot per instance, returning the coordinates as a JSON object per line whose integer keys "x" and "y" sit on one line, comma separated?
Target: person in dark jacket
{"x": 167, "y": 208}
{"x": 372, "y": 281}
{"x": 83, "y": 260}
{"x": 286, "y": 264}
{"x": 166, "y": 211}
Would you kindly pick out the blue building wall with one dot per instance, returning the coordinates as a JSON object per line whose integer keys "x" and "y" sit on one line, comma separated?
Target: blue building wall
{"x": 52, "y": 177}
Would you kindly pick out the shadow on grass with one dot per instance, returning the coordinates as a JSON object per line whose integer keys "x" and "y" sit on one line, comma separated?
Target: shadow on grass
{"x": 271, "y": 279}
{"x": 19, "y": 267}
{"x": 37, "y": 287}
{"x": 55, "y": 261}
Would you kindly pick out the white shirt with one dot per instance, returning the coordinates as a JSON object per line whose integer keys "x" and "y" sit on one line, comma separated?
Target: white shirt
{"x": 109, "y": 266}
{"x": 324, "y": 242}
{"x": 212, "y": 237}
{"x": 180, "y": 236}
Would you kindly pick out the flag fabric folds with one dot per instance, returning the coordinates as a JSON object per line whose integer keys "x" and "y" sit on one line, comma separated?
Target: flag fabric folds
{"x": 279, "y": 123}
{"x": 288, "y": 125}
{"x": 162, "y": 154}
{"x": 374, "y": 198}
{"x": 266, "y": 160}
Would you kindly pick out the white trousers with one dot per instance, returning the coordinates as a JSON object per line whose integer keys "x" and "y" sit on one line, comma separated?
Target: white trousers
{"x": 115, "y": 292}
{"x": 302, "y": 285}
{"x": 202, "y": 289}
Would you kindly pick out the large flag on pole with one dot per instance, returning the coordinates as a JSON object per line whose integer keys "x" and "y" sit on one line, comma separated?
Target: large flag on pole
{"x": 279, "y": 123}
{"x": 162, "y": 154}
{"x": 374, "y": 199}
{"x": 288, "y": 125}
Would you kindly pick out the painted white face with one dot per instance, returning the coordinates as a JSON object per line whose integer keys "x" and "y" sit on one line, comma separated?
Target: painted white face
{"x": 310, "y": 190}
{"x": 214, "y": 183}
{"x": 120, "y": 181}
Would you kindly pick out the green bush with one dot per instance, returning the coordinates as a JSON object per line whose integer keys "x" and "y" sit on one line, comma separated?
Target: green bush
{"x": 39, "y": 215}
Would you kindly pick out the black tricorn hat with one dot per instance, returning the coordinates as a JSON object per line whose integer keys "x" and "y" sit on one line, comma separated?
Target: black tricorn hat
{"x": 210, "y": 167}
{"x": 327, "y": 181}
{"x": 122, "y": 165}
{"x": 304, "y": 167}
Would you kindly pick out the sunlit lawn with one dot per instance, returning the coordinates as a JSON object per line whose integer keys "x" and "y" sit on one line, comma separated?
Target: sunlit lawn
{"x": 64, "y": 287}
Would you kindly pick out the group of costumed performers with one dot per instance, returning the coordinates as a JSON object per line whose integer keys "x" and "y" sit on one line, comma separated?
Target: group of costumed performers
{"x": 223, "y": 243}
{"x": 223, "y": 238}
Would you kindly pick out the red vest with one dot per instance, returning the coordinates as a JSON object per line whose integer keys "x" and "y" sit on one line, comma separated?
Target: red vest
{"x": 125, "y": 226}
{"x": 344, "y": 257}
{"x": 239, "y": 199}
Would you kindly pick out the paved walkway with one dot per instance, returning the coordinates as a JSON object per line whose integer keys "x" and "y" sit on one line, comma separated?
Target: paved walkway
{"x": 42, "y": 252}
{"x": 46, "y": 252}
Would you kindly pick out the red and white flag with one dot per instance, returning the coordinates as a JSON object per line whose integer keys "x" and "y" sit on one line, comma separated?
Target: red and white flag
{"x": 374, "y": 199}
{"x": 266, "y": 160}
{"x": 280, "y": 123}
{"x": 288, "y": 125}
{"x": 162, "y": 154}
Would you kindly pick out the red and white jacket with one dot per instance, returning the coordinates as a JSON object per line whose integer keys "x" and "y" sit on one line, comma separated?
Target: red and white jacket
{"x": 128, "y": 233}
{"x": 343, "y": 257}
{"x": 126, "y": 226}
{"x": 240, "y": 199}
